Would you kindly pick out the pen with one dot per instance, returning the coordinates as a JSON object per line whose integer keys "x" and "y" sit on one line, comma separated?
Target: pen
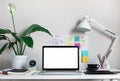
{"x": 103, "y": 60}
{"x": 100, "y": 60}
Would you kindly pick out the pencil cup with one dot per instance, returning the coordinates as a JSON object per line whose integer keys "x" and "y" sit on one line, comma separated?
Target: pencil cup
{"x": 105, "y": 65}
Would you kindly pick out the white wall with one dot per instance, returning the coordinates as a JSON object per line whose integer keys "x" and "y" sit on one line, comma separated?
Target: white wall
{"x": 60, "y": 17}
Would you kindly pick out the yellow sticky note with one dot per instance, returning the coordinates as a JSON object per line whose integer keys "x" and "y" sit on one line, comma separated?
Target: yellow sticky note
{"x": 85, "y": 59}
{"x": 70, "y": 44}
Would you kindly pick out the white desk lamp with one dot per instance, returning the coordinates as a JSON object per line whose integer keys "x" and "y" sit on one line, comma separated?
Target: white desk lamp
{"x": 84, "y": 26}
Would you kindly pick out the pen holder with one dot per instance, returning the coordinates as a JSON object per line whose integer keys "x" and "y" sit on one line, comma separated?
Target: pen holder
{"x": 105, "y": 65}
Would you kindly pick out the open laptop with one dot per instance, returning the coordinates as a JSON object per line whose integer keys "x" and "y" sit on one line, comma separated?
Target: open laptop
{"x": 60, "y": 60}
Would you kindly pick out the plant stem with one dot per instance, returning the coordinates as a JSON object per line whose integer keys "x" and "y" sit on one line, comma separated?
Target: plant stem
{"x": 17, "y": 45}
{"x": 12, "y": 46}
{"x": 14, "y": 51}
{"x": 23, "y": 49}
{"x": 14, "y": 31}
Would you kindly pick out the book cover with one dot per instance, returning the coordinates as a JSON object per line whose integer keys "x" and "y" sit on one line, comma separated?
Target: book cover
{"x": 18, "y": 72}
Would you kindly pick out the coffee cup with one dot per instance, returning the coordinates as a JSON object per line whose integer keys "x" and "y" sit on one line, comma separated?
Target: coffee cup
{"x": 93, "y": 67}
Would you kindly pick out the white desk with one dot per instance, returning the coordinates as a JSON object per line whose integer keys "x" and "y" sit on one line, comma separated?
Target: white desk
{"x": 82, "y": 76}
{"x": 33, "y": 76}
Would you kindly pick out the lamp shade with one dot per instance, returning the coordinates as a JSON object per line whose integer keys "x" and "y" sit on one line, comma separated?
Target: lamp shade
{"x": 84, "y": 25}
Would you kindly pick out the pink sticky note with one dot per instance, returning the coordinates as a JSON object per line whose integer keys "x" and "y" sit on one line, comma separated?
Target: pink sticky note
{"x": 77, "y": 44}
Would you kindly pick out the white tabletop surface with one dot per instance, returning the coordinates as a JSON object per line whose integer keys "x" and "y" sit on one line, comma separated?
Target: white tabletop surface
{"x": 79, "y": 76}
{"x": 34, "y": 75}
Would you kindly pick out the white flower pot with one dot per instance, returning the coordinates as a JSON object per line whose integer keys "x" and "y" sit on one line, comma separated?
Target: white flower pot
{"x": 19, "y": 61}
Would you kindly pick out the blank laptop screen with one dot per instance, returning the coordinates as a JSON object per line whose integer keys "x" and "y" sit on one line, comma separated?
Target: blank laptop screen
{"x": 60, "y": 58}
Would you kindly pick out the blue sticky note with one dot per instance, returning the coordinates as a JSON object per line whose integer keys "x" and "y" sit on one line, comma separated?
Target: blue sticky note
{"x": 76, "y": 38}
{"x": 85, "y": 53}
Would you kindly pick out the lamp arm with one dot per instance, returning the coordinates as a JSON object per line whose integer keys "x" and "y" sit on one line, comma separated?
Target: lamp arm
{"x": 109, "y": 50}
{"x": 104, "y": 29}
{"x": 109, "y": 33}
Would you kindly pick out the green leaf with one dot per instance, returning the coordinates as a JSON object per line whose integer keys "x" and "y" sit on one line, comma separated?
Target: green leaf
{"x": 3, "y": 48}
{"x": 34, "y": 28}
{"x": 5, "y": 31}
{"x": 3, "y": 37}
{"x": 11, "y": 8}
{"x": 11, "y": 44}
{"x": 28, "y": 41}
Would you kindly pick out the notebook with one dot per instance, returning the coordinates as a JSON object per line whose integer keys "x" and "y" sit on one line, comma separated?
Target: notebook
{"x": 60, "y": 60}
{"x": 100, "y": 72}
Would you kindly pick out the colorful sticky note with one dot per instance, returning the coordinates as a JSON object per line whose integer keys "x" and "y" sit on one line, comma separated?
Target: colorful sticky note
{"x": 76, "y": 38}
{"x": 69, "y": 43}
{"x": 85, "y": 53}
{"x": 85, "y": 59}
{"x": 70, "y": 39}
{"x": 82, "y": 36}
{"x": 82, "y": 45}
{"x": 82, "y": 41}
{"x": 77, "y": 44}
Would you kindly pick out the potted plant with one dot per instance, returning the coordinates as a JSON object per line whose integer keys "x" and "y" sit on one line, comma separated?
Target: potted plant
{"x": 20, "y": 41}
